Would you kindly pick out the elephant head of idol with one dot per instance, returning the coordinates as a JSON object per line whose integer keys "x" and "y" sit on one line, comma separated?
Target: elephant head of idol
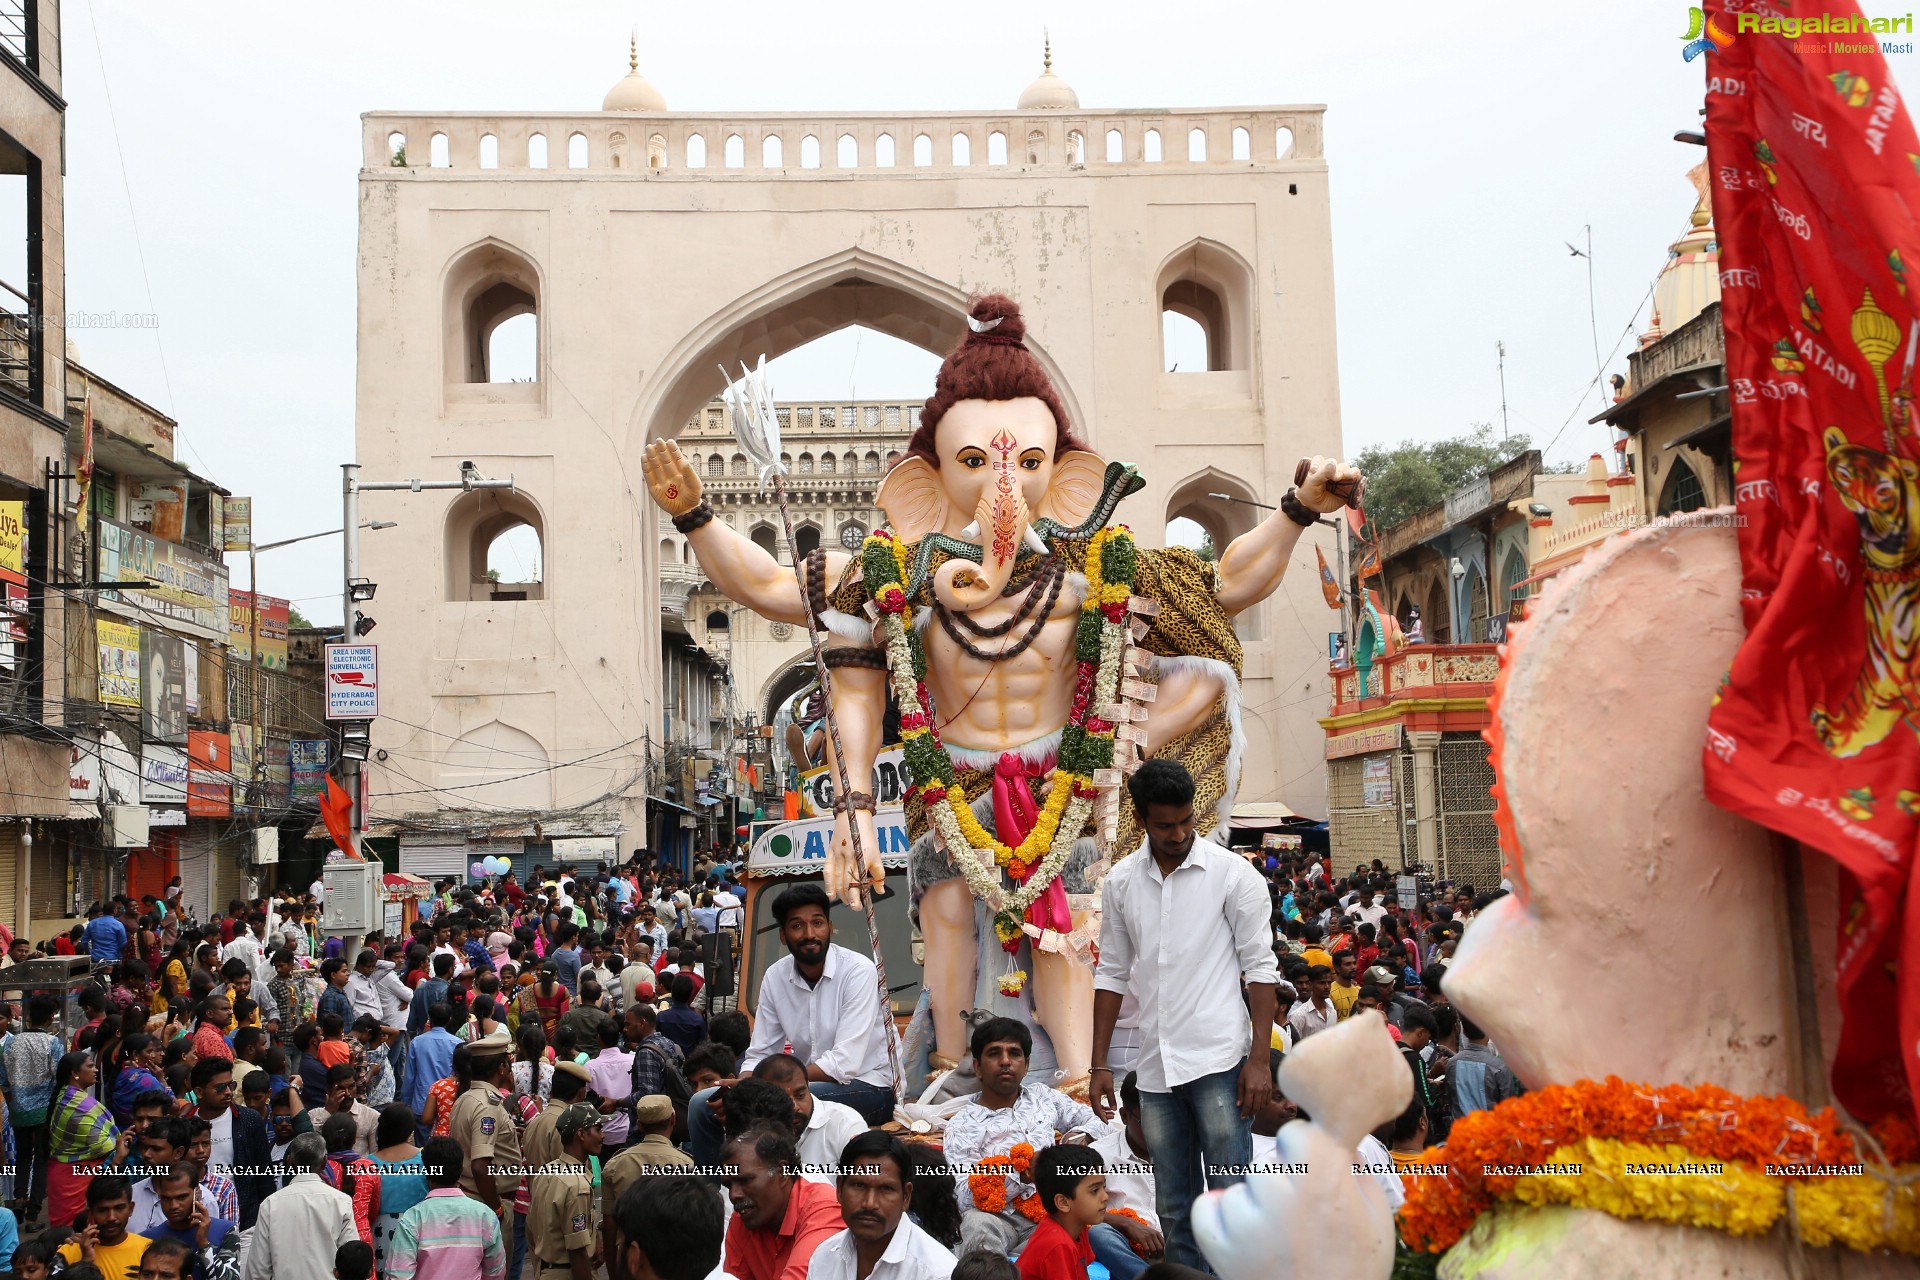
{"x": 994, "y": 453}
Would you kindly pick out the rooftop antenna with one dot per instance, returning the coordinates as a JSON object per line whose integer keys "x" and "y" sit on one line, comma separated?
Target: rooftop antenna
{"x": 1501, "y": 349}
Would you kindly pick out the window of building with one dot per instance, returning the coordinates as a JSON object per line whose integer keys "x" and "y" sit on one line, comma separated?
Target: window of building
{"x": 870, "y": 463}
{"x": 716, "y": 467}
{"x": 996, "y": 147}
{"x": 883, "y": 151}
{"x": 1682, "y": 492}
{"x": 1210, "y": 287}
{"x": 1512, "y": 572}
{"x": 806, "y": 464}
{"x": 537, "y": 151}
{"x": 20, "y": 258}
{"x": 718, "y": 621}
{"x": 764, "y": 538}
{"x": 828, "y": 464}
{"x": 696, "y": 151}
{"x": 489, "y": 287}
{"x": 739, "y": 466}
{"x": 495, "y": 547}
{"x": 805, "y": 539}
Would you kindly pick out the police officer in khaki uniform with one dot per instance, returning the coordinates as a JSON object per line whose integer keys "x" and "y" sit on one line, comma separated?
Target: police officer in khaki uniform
{"x": 484, "y": 1128}
{"x": 541, "y": 1142}
{"x": 563, "y": 1228}
{"x": 653, "y": 1149}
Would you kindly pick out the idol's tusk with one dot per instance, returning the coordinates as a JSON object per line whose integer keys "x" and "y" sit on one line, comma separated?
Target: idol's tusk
{"x": 971, "y": 531}
{"x": 1035, "y": 542}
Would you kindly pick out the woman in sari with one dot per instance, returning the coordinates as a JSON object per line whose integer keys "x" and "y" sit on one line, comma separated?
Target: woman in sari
{"x": 83, "y": 1135}
{"x": 137, "y": 1070}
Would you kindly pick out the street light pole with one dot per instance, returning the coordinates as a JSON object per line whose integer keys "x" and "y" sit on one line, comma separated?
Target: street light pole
{"x": 351, "y": 486}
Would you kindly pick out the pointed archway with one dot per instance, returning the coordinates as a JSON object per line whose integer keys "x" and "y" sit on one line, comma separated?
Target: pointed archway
{"x": 848, "y": 288}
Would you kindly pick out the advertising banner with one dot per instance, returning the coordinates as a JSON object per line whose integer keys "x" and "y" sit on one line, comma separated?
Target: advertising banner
{"x": 275, "y": 614}
{"x": 119, "y": 647}
{"x": 159, "y": 507}
{"x": 1376, "y": 782}
{"x": 163, "y": 686}
{"x": 800, "y": 848}
{"x": 236, "y": 515}
{"x": 189, "y": 591}
{"x": 163, "y": 775}
{"x": 209, "y": 774}
{"x": 308, "y": 758}
{"x": 890, "y": 783}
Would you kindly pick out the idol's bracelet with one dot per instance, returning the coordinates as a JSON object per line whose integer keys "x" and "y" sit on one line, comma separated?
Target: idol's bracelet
{"x": 1297, "y": 511}
{"x": 687, "y": 521}
{"x": 855, "y": 800}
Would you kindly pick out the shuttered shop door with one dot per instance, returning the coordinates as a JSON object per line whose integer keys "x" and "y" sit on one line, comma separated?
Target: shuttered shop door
{"x": 197, "y": 852}
{"x": 10, "y": 876}
{"x": 433, "y": 859}
{"x": 229, "y": 874}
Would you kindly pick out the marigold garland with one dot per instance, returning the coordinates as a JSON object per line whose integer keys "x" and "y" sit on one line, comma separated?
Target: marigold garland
{"x": 1603, "y": 1125}
{"x": 1129, "y": 1213}
{"x": 993, "y": 1175}
{"x": 1086, "y": 742}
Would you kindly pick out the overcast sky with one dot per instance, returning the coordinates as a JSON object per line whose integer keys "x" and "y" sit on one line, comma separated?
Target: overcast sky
{"x": 1466, "y": 145}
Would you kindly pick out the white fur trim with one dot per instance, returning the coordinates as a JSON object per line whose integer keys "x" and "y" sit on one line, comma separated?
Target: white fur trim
{"x": 921, "y": 617}
{"x": 1077, "y": 585}
{"x": 1237, "y": 732}
{"x": 846, "y": 626}
{"x": 1035, "y": 752}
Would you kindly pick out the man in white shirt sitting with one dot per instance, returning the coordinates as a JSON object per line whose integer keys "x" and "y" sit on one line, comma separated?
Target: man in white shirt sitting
{"x": 881, "y": 1242}
{"x": 829, "y": 1126}
{"x": 1129, "y": 1186}
{"x": 1008, "y": 1110}
{"x": 823, "y": 1001}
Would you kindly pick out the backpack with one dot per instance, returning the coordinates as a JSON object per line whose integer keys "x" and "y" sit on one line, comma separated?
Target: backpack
{"x": 674, "y": 1085}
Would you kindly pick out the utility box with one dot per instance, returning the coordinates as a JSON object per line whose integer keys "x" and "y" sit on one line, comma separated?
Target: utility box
{"x": 351, "y": 905}
{"x": 127, "y": 826}
{"x": 266, "y": 846}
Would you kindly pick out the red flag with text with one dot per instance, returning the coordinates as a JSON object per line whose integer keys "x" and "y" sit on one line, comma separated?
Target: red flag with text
{"x": 1815, "y": 175}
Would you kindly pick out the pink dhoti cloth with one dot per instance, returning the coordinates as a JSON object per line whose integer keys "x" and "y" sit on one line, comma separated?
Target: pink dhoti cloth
{"x": 1014, "y": 814}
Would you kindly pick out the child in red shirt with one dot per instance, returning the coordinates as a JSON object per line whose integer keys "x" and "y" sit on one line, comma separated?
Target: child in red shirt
{"x": 1071, "y": 1182}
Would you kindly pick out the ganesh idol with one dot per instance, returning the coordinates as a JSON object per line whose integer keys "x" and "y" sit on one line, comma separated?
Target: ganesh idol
{"x": 1033, "y": 651}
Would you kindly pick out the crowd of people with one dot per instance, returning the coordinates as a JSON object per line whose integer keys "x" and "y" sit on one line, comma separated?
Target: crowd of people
{"x": 534, "y": 1082}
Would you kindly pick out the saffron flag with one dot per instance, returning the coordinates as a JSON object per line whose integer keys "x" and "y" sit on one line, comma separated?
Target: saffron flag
{"x": 1329, "y": 587}
{"x": 84, "y": 471}
{"x": 336, "y": 810}
{"x": 1369, "y": 564}
{"x": 1815, "y": 174}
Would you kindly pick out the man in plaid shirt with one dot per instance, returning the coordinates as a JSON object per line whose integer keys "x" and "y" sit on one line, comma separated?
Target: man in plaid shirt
{"x": 651, "y": 1050}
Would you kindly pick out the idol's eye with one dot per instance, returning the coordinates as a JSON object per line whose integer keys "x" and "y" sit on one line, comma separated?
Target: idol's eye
{"x": 1030, "y": 464}
{"x": 973, "y": 459}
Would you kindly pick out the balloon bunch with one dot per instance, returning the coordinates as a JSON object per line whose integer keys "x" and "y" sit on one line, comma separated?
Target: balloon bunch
{"x": 489, "y": 866}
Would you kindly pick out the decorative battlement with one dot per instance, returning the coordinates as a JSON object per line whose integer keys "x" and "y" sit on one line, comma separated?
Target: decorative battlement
{"x": 782, "y": 145}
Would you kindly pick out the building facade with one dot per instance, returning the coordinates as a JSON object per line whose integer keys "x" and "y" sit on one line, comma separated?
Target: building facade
{"x": 651, "y": 247}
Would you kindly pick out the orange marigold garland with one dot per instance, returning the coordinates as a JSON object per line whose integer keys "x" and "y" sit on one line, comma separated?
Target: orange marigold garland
{"x": 988, "y": 1182}
{"x": 1776, "y": 1135}
{"x": 1129, "y": 1213}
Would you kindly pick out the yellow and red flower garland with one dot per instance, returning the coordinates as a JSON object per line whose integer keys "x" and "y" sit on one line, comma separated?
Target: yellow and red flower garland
{"x": 1086, "y": 742}
{"x": 1765, "y": 1144}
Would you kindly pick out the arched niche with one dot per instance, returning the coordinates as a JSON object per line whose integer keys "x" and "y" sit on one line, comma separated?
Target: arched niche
{"x": 496, "y": 766}
{"x": 486, "y": 285}
{"x": 1223, "y": 519}
{"x": 1212, "y": 286}
{"x": 475, "y": 522}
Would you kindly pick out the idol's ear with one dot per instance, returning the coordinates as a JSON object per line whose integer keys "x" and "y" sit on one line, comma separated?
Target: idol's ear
{"x": 1079, "y": 478}
{"x": 913, "y": 498}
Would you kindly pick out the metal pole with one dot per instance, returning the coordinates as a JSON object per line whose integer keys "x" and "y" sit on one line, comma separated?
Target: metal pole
{"x": 254, "y": 753}
{"x": 350, "y": 563}
{"x": 844, "y": 784}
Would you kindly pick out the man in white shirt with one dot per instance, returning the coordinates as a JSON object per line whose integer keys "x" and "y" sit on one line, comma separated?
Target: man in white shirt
{"x": 829, "y": 1125}
{"x": 250, "y": 946}
{"x": 1185, "y": 923}
{"x": 1369, "y": 911}
{"x": 303, "y": 1223}
{"x": 1008, "y": 1110}
{"x": 881, "y": 1242}
{"x": 363, "y": 986}
{"x": 1316, "y": 1011}
{"x": 1129, "y": 1186}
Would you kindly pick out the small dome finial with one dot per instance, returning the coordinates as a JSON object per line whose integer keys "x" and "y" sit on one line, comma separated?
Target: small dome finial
{"x": 633, "y": 50}
{"x": 1046, "y": 58}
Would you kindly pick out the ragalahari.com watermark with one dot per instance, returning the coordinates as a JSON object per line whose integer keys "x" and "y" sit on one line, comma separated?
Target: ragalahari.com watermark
{"x": 1695, "y": 519}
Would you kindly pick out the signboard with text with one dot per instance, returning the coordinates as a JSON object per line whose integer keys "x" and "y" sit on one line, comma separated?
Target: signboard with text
{"x": 236, "y": 516}
{"x": 275, "y": 614}
{"x": 119, "y": 649}
{"x": 209, "y": 774}
{"x": 189, "y": 591}
{"x": 800, "y": 848}
{"x": 353, "y": 682}
{"x": 890, "y": 783}
{"x": 308, "y": 759}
